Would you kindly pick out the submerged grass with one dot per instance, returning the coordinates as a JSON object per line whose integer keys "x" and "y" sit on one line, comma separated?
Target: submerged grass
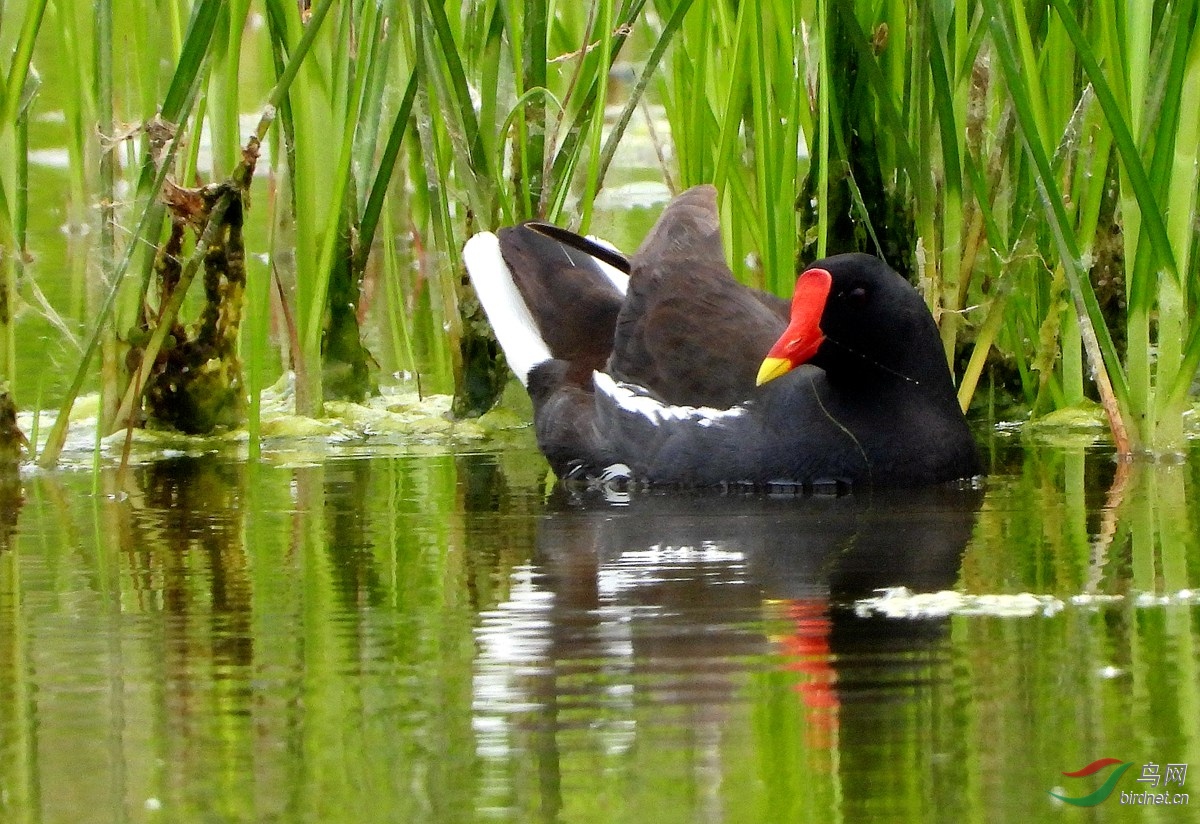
{"x": 1031, "y": 167}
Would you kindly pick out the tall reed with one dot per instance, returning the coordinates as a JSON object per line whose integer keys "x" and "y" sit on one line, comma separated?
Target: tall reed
{"x": 1032, "y": 168}
{"x": 989, "y": 149}
{"x": 16, "y": 93}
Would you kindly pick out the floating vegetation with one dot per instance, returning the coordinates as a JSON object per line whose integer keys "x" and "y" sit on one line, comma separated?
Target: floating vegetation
{"x": 397, "y": 419}
{"x": 1084, "y": 423}
{"x": 900, "y": 602}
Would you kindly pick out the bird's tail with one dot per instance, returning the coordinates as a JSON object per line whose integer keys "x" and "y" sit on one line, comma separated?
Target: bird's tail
{"x": 515, "y": 328}
{"x": 546, "y": 299}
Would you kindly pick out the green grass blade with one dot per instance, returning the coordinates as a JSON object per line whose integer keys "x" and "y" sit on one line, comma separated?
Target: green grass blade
{"x": 534, "y": 25}
{"x": 195, "y": 50}
{"x": 22, "y": 58}
{"x": 1109, "y": 375}
{"x": 952, "y": 178}
{"x": 656, "y": 54}
{"x": 734, "y": 102}
{"x": 567, "y": 157}
{"x": 351, "y": 103}
{"x": 449, "y": 53}
{"x": 383, "y": 174}
{"x": 1123, "y": 140}
{"x": 824, "y": 114}
{"x": 595, "y": 128}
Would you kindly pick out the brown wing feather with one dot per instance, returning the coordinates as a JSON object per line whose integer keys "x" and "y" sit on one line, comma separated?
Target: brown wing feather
{"x": 687, "y": 330}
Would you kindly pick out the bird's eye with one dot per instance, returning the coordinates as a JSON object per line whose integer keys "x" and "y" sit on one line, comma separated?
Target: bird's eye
{"x": 857, "y": 295}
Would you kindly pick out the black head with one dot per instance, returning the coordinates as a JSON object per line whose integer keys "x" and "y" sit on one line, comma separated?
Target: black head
{"x": 876, "y": 325}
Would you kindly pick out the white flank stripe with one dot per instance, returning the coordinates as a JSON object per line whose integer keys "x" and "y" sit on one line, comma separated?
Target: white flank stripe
{"x": 657, "y": 412}
{"x": 506, "y": 311}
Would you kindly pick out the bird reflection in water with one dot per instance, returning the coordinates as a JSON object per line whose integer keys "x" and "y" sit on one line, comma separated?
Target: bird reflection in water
{"x": 682, "y": 600}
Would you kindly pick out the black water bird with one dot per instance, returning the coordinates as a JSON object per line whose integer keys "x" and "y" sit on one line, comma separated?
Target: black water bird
{"x": 663, "y": 368}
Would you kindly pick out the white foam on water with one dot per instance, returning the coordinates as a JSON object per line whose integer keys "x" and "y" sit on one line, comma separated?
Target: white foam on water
{"x": 900, "y": 602}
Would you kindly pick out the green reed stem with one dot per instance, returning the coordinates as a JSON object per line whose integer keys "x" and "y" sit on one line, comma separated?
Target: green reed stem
{"x": 595, "y": 128}
{"x": 397, "y": 315}
{"x": 635, "y": 96}
{"x": 383, "y": 175}
{"x": 78, "y": 108}
{"x": 335, "y": 216}
{"x": 19, "y": 66}
{"x": 949, "y": 121}
{"x": 1107, "y": 371}
{"x": 16, "y": 91}
{"x": 532, "y": 64}
{"x": 1181, "y": 202}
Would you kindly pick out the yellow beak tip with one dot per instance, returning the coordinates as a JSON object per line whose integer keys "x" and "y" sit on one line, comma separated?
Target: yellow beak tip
{"x": 772, "y": 368}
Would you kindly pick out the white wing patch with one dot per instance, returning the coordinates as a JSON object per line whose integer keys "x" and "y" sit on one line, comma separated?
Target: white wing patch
{"x": 627, "y": 397}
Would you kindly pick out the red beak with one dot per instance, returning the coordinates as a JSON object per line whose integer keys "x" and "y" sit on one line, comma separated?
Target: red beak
{"x": 803, "y": 336}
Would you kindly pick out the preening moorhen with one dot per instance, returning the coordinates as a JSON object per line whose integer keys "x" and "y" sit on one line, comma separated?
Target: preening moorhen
{"x": 677, "y": 374}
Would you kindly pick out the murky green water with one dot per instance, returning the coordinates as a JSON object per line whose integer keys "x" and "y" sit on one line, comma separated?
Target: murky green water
{"x": 433, "y": 637}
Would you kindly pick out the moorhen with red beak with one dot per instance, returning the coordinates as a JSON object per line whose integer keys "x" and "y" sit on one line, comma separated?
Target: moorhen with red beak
{"x": 663, "y": 368}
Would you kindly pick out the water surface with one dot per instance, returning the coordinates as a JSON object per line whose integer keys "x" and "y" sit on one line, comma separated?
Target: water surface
{"x": 439, "y": 637}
